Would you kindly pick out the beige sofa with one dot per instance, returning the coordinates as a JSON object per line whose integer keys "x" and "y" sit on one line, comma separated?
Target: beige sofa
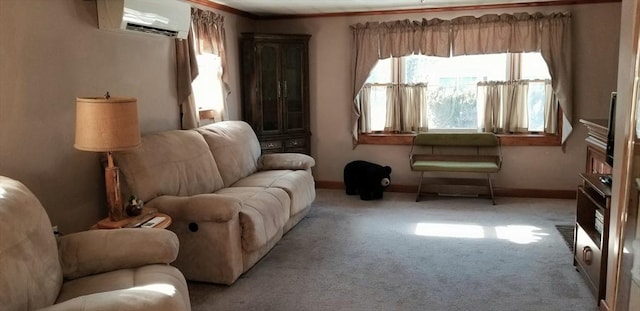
{"x": 229, "y": 204}
{"x": 123, "y": 269}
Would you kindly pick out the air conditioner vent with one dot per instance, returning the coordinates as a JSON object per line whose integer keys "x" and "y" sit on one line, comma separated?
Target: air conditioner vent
{"x": 152, "y": 30}
{"x": 169, "y": 18}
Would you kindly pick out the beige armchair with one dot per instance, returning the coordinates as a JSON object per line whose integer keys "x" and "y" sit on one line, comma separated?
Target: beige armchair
{"x": 122, "y": 269}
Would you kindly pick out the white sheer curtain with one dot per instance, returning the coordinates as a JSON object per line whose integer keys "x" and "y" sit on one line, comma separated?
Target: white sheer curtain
{"x": 406, "y": 107}
{"x": 394, "y": 110}
{"x": 413, "y": 99}
{"x": 364, "y": 102}
{"x": 503, "y": 107}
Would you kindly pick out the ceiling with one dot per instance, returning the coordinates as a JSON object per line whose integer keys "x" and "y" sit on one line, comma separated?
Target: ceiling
{"x": 320, "y": 7}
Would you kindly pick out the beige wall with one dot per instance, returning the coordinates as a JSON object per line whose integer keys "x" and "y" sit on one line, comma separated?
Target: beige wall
{"x": 53, "y": 52}
{"x": 595, "y": 46}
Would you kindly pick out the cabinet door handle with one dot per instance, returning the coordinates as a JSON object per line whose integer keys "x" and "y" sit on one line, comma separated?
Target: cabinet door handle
{"x": 285, "y": 88}
{"x": 587, "y": 255}
{"x": 278, "y": 91}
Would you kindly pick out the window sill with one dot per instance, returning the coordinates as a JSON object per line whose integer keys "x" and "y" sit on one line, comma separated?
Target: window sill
{"x": 505, "y": 139}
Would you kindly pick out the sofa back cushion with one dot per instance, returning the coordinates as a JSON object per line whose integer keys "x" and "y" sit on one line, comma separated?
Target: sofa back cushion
{"x": 235, "y": 147}
{"x": 175, "y": 163}
{"x": 30, "y": 273}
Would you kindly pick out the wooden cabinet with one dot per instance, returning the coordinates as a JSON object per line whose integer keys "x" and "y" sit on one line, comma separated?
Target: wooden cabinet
{"x": 591, "y": 239}
{"x": 275, "y": 90}
{"x": 596, "y": 146}
{"x": 592, "y": 232}
{"x": 596, "y": 161}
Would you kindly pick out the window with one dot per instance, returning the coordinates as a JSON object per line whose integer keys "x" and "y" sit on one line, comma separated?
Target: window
{"x": 210, "y": 87}
{"x": 452, "y": 100}
{"x": 207, "y": 87}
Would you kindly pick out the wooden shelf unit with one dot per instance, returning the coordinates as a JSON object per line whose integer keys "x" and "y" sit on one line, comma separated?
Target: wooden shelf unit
{"x": 593, "y": 202}
{"x": 596, "y": 146}
{"x": 275, "y": 90}
{"x": 592, "y": 232}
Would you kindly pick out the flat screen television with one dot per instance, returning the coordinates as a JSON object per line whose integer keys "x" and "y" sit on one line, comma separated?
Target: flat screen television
{"x": 611, "y": 127}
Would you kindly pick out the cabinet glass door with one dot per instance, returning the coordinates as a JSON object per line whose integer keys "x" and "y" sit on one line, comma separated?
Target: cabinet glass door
{"x": 293, "y": 87}
{"x": 269, "y": 87}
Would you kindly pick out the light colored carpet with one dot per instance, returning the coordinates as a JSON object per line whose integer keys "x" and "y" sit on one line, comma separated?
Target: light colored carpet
{"x": 349, "y": 254}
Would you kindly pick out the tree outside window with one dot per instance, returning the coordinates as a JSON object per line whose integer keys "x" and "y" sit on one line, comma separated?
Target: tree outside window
{"x": 207, "y": 87}
{"x": 452, "y": 102}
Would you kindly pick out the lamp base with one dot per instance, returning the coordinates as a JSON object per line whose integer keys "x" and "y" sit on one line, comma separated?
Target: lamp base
{"x": 112, "y": 181}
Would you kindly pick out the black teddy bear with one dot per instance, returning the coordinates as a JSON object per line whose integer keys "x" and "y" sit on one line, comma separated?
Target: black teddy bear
{"x": 366, "y": 179}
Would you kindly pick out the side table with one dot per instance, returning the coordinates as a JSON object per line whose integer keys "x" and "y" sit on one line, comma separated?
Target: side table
{"x": 134, "y": 221}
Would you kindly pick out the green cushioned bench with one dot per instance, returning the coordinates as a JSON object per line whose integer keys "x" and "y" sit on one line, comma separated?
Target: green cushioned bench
{"x": 456, "y": 153}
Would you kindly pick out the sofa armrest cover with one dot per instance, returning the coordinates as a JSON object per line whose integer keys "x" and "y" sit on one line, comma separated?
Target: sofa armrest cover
{"x": 201, "y": 207}
{"x": 96, "y": 251}
{"x": 285, "y": 161}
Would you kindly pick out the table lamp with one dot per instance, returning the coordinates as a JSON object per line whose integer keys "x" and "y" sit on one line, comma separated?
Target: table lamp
{"x": 107, "y": 124}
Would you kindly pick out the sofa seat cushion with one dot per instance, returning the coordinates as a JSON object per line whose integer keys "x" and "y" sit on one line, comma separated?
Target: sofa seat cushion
{"x": 263, "y": 213}
{"x": 153, "y": 286}
{"x": 299, "y": 185}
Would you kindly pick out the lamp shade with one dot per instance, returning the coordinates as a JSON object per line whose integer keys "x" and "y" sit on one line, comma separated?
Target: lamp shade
{"x": 106, "y": 124}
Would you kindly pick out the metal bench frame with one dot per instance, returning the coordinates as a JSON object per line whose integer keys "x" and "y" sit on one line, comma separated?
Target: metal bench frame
{"x": 455, "y": 159}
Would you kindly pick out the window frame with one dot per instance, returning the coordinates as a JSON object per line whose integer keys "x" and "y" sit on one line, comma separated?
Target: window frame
{"x": 517, "y": 139}
{"x": 506, "y": 139}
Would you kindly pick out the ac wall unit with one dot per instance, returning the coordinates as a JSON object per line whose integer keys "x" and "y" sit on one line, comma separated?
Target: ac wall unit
{"x": 169, "y": 18}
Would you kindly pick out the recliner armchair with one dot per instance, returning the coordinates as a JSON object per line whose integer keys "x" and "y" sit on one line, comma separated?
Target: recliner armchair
{"x": 121, "y": 269}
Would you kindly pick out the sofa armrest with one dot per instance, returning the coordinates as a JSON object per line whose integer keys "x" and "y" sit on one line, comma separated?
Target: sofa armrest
{"x": 201, "y": 207}
{"x": 96, "y": 251}
{"x": 285, "y": 161}
{"x": 160, "y": 297}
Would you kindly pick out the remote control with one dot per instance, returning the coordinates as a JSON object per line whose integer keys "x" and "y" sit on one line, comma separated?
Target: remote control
{"x": 153, "y": 222}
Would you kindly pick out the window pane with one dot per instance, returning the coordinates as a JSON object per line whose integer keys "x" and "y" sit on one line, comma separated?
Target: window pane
{"x": 378, "y": 107}
{"x": 452, "y": 107}
{"x": 452, "y": 86}
{"x": 420, "y": 68}
{"x": 416, "y": 68}
{"x": 207, "y": 87}
{"x": 533, "y": 67}
{"x": 381, "y": 72}
{"x": 536, "y": 106}
{"x": 452, "y": 83}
